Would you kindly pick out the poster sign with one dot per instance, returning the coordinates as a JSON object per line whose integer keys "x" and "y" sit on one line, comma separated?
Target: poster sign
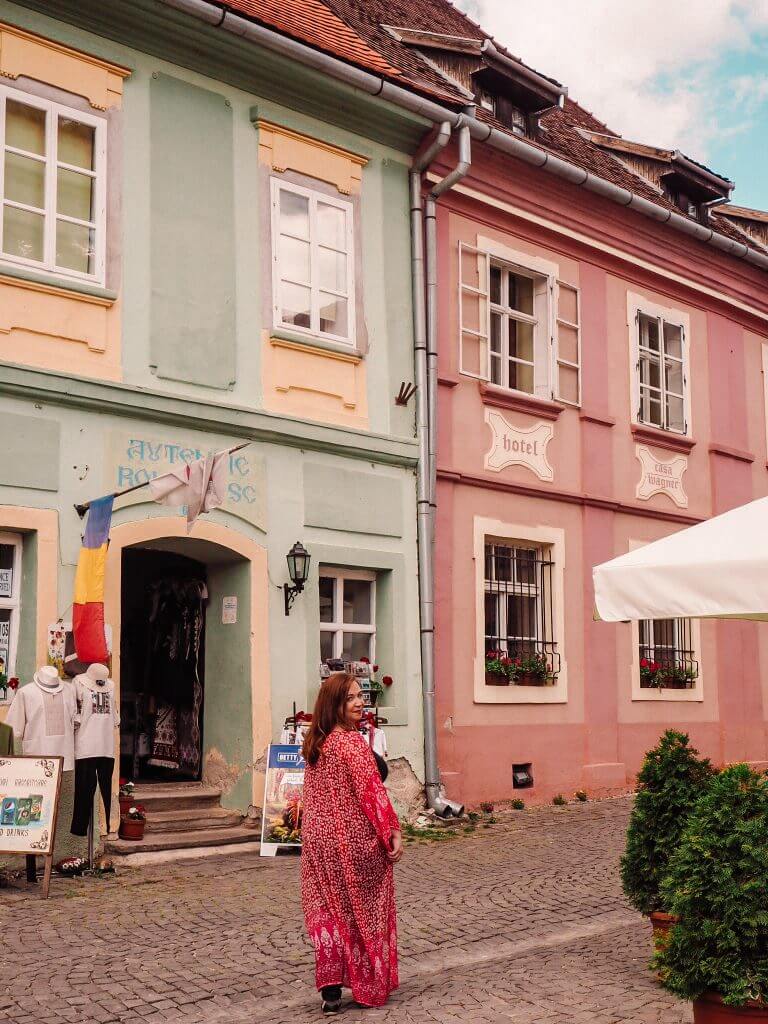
{"x": 29, "y": 788}
{"x": 229, "y": 611}
{"x": 6, "y": 582}
{"x": 518, "y": 446}
{"x": 661, "y": 476}
{"x": 5, "y": 644}
{"x": 283, "y": 792}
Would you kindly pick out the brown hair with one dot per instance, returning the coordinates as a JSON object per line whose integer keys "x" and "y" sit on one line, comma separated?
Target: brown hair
{"x": 327, "y": 714}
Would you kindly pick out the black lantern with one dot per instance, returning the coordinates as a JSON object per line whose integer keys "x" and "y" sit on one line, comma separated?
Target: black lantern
{"x": 298, "y": 559}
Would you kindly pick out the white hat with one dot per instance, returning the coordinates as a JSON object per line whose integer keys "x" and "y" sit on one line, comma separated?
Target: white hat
{"x": 47, "y": 677}
{"x": 97, "y": 671}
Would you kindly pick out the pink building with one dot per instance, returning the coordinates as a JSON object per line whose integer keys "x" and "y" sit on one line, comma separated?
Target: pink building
{"x": 601, "y": 384}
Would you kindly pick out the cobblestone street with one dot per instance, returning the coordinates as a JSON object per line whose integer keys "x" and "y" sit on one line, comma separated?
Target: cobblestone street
{"x": 521, "y": 922}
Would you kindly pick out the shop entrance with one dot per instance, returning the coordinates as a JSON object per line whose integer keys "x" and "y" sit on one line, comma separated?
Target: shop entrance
{"x": 162, "y": 657}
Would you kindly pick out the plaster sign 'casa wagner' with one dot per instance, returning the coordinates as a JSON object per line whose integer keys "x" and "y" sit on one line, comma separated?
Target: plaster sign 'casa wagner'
{"x": 518, "y": 446}
{"x": 661, "y": 476}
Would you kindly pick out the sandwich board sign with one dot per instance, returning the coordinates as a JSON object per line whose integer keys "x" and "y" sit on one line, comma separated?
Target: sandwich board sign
{"x": 30, "y": 787}
{"x": 283, "y": 797}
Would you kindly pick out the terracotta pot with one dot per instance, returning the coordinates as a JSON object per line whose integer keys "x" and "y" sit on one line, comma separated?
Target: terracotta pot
{"x": 709, "y": 1009}
{"x": 529, "y": 679}
{"x": 496, "y": 679}
{"x": 126, "y": 803}
{"x": 131, "y": 828}
{"x": 661, "y": 924}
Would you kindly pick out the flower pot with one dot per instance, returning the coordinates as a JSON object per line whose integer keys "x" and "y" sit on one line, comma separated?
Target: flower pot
{"x": 132, "y": 828}
{"x": 126, "y": 803}
{"x": 661, "y": 924}
{"x": 496, "y": 679}
{"x": 709, "y": 1009}
{"x": 529, "y": 679}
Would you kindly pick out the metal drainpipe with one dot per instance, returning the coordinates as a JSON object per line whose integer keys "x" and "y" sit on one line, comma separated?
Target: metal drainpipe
{"x": 433, "y": 788}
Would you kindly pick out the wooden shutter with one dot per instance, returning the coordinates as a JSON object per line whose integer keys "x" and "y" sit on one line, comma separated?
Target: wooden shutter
{"x": 567, "y": 361}
{"x": 474, "y": 278}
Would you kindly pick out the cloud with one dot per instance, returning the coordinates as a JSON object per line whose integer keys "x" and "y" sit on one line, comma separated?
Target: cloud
{"x": 652, "y": 71}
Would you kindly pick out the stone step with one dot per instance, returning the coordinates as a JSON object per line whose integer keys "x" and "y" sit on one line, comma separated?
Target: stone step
{"x": 191, "y": 819}
{"x": 156, "y": 842}
{"x": 177, "y": 797}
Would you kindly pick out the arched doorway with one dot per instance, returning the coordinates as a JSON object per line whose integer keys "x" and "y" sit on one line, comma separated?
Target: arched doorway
{"x": 233, "y": 723}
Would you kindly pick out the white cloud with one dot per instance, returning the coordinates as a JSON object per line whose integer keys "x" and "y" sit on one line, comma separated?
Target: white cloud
{"x": 650, "y": 70}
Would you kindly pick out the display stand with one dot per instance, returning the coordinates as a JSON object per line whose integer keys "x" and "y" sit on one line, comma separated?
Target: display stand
{"x": 91, "y": 859}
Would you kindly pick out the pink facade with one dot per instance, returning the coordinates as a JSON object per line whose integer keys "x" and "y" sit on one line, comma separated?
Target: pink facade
{"x": 605, "y": 482}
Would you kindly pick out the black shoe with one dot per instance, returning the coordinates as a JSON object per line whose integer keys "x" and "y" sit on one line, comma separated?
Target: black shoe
{"x": 331, "y": 1006}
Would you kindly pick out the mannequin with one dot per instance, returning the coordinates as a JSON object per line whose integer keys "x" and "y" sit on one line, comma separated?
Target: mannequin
{"x": 42, "y": 716}
{"x": 97, "y": 720}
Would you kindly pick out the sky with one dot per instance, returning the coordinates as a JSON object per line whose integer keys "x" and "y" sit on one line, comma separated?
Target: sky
{"x": 685, "y": 74}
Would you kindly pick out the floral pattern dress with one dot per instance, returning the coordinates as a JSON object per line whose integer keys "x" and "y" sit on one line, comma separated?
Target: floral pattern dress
{"x": 347, "y": 882}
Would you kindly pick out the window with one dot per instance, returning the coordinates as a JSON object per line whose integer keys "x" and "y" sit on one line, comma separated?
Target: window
{"x": 507, "y": 334}
{"x": 519, "y": 611}
{"x": 347, "y": 614}
{"x": 666, "y": 655}
{"x": 10, "y": 592}
{"x": 662, "y": 379}
{"x": 312, "y": 252}
{"x": 53, "y": 186}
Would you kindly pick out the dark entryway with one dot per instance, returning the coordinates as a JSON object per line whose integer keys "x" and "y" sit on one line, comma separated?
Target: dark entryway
{"x": 162, "y": 655}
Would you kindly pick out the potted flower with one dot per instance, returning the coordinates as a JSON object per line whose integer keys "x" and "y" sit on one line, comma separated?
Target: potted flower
{"x": 671, "y": 677}
{"x": 125, "y": 795}
{"x": 671, "y": 780}
{"x": 3, "y": 686}
{"x": 132, "y": 822}
{"x": 717, "y": 884}
{"x": 498, "y": 668}
{"x": 532, "y": 670}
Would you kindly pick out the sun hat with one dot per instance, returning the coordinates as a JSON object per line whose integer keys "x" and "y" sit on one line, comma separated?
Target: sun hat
{"x": 47, "y": 678}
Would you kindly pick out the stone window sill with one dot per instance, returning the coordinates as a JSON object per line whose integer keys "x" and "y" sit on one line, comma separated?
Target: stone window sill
{"x": 502, "y": 398}
{"x": 11, "y": 273}
{"x": 662, "y": 438}
{"x": 311, "y": 341}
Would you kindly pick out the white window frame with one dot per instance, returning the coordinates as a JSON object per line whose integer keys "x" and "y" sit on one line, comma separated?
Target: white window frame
{"x": 547, "y": 287}
{"x": 314, "y": 196}
{"x": 637, "y": 306}
{"x": 340, "y": 628}
{"x": 487, "y": 531}
{"x": 13, "y": 603}
{"x": 506, "y": 314}
{"x": 50, "y": 214}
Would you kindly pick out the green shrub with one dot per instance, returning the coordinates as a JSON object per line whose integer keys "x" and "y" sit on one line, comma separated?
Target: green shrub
{"x": 717, "y": 884}
{"x": 671, "y": 780}
{"x": 518, "y": 805}
{"x": 559, "y": 800}
{"x": 581, "y": 796}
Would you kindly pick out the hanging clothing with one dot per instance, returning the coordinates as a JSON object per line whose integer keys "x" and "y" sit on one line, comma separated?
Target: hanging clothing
{"x": 97, "y": 718}
{"x": 42, "y": 716}
{"x": 87, "y": 771}
{"x": 165, "y": 742}
{"x": 347, "y": 882}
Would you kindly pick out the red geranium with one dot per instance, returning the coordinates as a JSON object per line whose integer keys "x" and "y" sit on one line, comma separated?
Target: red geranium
{"x": 643, "y": 663}
{"x": 13, "y": 683}
{"x": 387, "y": 680}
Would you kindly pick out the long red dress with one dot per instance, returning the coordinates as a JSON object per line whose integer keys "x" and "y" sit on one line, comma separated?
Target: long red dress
{"x": 347, "y": 883}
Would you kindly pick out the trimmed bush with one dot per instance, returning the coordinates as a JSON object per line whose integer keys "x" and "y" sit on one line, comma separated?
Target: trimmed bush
{"x": 670, "y": 782}
{"x": 559, "y": 800}
{"x": 717, "y": 884}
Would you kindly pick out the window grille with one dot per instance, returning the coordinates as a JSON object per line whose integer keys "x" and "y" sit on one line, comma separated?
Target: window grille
{"x": 666, "y": 654}
{"x": 519, "y": 610}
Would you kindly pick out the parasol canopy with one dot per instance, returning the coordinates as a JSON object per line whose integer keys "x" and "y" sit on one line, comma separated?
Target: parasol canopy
{"x": 716, "y": 569}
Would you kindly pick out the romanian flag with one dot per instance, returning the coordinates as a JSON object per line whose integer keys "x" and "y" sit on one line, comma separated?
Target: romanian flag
{"x": 88, "y": 605}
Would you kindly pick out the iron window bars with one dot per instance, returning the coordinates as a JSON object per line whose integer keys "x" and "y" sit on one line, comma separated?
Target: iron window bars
{"x": 666, "y": 654}
{"x": 519, "y": 612}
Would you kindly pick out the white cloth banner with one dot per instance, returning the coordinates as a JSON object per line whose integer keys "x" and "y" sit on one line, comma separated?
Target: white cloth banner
{"x": 716, "y": 569}
{"x": 200, "y": 485}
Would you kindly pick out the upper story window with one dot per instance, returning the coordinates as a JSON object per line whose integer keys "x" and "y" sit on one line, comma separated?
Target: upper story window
{"x": 313, "y": 260}
{"x": 509, "y": 335}
{"x": 661, "y": 373}
{"x": 347, "y": 614}
{"x": 10, "y": 600}
{"x": 53, "y": 188}
{"x": 666, "y": 654}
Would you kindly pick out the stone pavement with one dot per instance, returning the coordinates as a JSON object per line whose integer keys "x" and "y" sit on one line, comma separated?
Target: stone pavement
{"x": 521, "y": 922}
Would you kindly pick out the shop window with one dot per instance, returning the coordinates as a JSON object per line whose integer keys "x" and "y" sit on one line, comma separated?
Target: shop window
{"x": 10, "y": 600}
{"x": 666, "y": 655}
{"x": 313, "y": 263}
{"x": 347, "y": 614}
{"x": 53, "y": 191}
{"x": 662, "y": 379}
{"x": 520, "y": 641}
{"x": 508, "y": 336}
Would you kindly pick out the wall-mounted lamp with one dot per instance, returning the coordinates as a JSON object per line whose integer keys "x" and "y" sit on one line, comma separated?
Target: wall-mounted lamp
{"x": 298, "y": 559}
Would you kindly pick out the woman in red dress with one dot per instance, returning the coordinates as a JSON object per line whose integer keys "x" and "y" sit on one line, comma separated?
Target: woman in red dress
{"x": 350, "y": 840}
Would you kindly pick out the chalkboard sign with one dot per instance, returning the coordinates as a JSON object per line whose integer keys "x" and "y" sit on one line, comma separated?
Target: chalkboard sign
{"x": 29, "y": 807}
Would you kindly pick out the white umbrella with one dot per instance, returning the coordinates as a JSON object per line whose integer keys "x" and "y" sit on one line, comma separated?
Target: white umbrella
{"x": 716, "y": 569}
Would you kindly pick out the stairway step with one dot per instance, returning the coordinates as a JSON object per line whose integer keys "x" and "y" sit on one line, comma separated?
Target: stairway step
{"x": 177, "y": 797}
{"x": 191, "y": 819}
{"x": 181, "y": 841}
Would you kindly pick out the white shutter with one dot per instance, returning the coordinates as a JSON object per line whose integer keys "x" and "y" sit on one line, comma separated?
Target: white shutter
{"x": 474, "y": 316}
{"x": 567, "y": 344}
